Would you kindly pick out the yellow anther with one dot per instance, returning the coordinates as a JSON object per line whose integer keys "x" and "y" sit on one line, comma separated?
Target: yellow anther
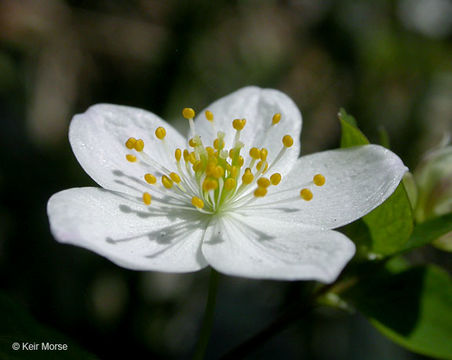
{"x": 160, "y": 132}
{"x": 139, "y": 145}
{"x": 150, "y": 179}
{"x": 131, "y": 158}
{"x": 287, "y": 141}
{"x": 238, "y": 124}
{"x": 130, "y": 143}
{"x": 231, "y": 153}
{"x": 260, "y": 164}
{"x": 213, "y": 160}
{"x": 306, "y": 194}
{"x": 188, "y": 113}
{"x": 209, "y": 184}
{"x": 209, "y": 115}
{"x": 192, "y": 142}
{"x": 147, "y": 198}
{"x": 178, "y": 154}
{"x": 197, "y": 202}
{"x": 264, "y": 153}
{"x": 230, "y": 184}
{"x": 263, "y": 182}
{"x": 247, "y": 177}
{"x": 210, "y": 151}
{"x": 255, "y": 153}
{"x": 319, "y": 180}
{"x": 175, "y": 177}
{"x": 275, "y": 179}
{"x": 215, "y": 171}
{"x": 218, "y": 144}
{"x": 260, "y": 192}
{"x": 197, "y": 166}
{"x": 241, "y": 161}
{"x": 186, "y": 155}
{"x": 276, "y": 118}
{"x": 220, "y": 171}
{"x": 210, "y": 169}
{"x": 192, "y": 157}
{"x": 167, "y": 182}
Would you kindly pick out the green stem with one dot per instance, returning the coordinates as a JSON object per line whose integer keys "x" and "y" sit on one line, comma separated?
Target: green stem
{"x": 207, "y": 323}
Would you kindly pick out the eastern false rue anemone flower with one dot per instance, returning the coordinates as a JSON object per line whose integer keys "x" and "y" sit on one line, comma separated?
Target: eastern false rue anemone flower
{"x": 233, "y": 195}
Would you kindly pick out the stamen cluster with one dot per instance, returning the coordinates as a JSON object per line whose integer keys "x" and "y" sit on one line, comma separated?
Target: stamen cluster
{"x": 213, "y": 179}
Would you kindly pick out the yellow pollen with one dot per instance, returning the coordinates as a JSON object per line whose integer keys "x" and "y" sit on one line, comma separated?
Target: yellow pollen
{"x": 238, "y": 124}
{"x": 209, "y": 184}
{"x": 230, "y": 184}
{"x": 192, "y": 157}
{"x": 147, "y": 198}
{"x": 131, "y": 158}
{"x": 178, "y": 154}
{"x": 319, "y": 180}
{"x": 218, "y": 144}
{"x": 130, "y": 143}
{"x": 247, "y": 177}
{"x": 175, "y": 177}
{"x": 167, "y": 182}
{"x": 259, "y": 166}
{"x": 218, "y": 171}
{"x": 210, "y": 151}
{"x": 197, "y": 202}
{"x": 255, "y": 153}
{"x": 188, "y": 113}
{"x": 276, "y": 118}
{"x": 186, "y": 155}
{"x": 306, "y": 194}
{"x": 264, "y": 153}
{"x": 139, "y": 145}
{"x": 192, "y": 142}
{"x": 209, "y": 115}
{"x": 160, "y": 132}
{"x": 241, "y": 161}
{"x": 197, "y": 166}
{"x": 260, "y": 192}
{"x": 263, "y": 182}
{"x": 287, "y": 141}
{"x": 231, "y": 153}
{"x": 275, "y": 179}
{"x": 150, "y": 179}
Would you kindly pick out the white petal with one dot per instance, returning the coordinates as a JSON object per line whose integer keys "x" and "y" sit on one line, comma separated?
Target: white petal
{"x": 129, "y": 234}
{"x": 257, "y": 106}
{"x": 98, "y": 136}
{"x": 269, "y": 249}
{"x": 358, "y": 179}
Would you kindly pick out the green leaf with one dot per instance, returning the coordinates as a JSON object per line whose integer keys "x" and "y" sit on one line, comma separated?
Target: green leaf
{"x": 359, "y": 233}
{"x": 17, "y": 325}
{"x": 428, "y": 231}
{"x": 391, "y": 224}
{"x": 413, "y": 308}
{"x": 351, "y": 135}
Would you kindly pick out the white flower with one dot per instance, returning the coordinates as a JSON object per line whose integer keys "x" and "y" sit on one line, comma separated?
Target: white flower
{"x": 238, "y": 199}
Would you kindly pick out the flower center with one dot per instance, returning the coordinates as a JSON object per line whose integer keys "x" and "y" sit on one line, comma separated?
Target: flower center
{"x": 212, "y": 179}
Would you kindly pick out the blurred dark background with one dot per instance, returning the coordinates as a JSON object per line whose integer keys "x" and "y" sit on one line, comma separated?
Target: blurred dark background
{"x": 388, "y": 62}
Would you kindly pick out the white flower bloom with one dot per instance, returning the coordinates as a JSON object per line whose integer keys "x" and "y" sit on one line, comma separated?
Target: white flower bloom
{"x": 234, "y": 196}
